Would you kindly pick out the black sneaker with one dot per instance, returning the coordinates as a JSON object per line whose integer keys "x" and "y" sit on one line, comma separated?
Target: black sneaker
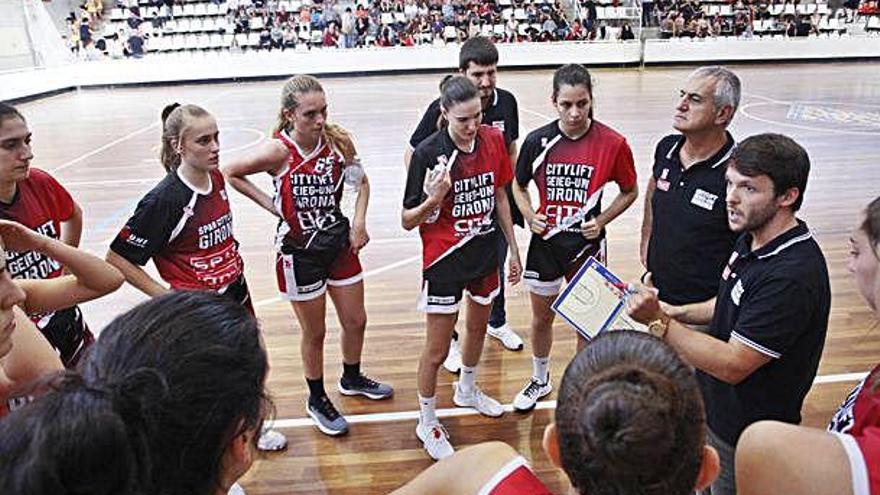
{"x": 326, "y": 417}
{"x": 366, "y": 386}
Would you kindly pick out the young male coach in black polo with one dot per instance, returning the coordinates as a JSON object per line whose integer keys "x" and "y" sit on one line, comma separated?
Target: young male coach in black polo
{"x": 685, "y": 237}
{"x": 760, "y": 354}
{"x": 478, "y": 61}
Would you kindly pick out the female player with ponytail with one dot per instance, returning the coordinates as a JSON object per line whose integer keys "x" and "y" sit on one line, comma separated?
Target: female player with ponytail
{"x": 317, "y": 246}
{"x": 184, "y": 223}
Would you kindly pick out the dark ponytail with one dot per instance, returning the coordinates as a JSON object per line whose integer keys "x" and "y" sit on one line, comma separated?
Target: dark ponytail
{"x": 630, "y": 418}
{"x": 72, "y": 441}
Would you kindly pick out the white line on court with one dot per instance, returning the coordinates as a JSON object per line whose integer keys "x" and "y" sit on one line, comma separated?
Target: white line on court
{"x": 369, "y": 273}
{"x": 539, "y": 114}
{"x": 508, "y": 408}
{"x": 103, "y": 148}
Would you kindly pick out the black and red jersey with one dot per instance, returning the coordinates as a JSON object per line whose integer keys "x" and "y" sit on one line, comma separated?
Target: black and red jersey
{"x": 41, "y": 204}
{"x": 459, "y": 244}
{"x": 187, "y": 233}
{"x": 570, "y": 173}
{"x": 308, "y": 194}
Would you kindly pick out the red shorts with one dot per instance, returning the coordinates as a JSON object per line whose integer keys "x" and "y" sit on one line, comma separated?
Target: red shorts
{"x": 445, "y": 297}
{"x": 304, "y": 275}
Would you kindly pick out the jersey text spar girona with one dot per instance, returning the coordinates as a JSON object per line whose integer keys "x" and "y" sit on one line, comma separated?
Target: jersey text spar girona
{"x": 307, "y": 195}
{"x": 188, "y": 234}
{"x": 460, "y": 244}
{"x": 570, "y": 174}
{"x": 41, "y": 204}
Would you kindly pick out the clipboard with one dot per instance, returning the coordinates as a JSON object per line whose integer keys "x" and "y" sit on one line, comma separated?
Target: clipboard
{"x": 591, "y": 304}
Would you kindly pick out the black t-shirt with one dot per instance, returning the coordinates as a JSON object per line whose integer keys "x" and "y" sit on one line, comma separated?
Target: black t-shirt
{"x": 690, "y": 238}
{"x": 502, "y": 114}
{"x": 775, "y": 300}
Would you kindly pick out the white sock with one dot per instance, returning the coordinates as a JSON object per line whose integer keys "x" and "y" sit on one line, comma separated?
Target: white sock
{"x": 541, "y": 369}
{"x": 428, "y": 413}
{"x": 467, "y": 379}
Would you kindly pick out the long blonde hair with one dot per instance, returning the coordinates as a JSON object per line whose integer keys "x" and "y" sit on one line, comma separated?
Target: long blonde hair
{"x": 334, "y": 134}
{"x": 175, "y": 120}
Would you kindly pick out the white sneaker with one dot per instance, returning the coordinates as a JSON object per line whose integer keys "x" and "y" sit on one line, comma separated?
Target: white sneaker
{"x": 435, "y": 440}
{"x": 507, "y": 336}
{"x": 235, "y": 489}
{"x": 484, "y": 404}
{"x": 271, "y": 440}
{"x": 452, "y": 363}
{"x": 526, "y": 399}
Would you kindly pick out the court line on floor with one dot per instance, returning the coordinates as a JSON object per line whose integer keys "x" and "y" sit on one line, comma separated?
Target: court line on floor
{"x": 126, "y": 137}
{"x": 368, "y": 273}
{"x": 508, "y": 408}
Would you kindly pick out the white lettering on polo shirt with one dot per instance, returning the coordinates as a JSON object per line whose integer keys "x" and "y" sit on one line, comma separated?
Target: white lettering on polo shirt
{"x": 737, "y": 292}
{"x": 704, "y": 199}
{"x": 498, "y": 124}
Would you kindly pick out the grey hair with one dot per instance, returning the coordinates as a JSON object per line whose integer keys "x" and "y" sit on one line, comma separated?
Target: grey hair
{"x": 727, "y": 85}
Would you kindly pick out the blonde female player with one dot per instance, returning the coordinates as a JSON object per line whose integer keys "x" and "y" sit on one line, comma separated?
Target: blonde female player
{"x": 184, "y": 223}
{"x": 317, "y": 247}
{"x": 455, "y": 195}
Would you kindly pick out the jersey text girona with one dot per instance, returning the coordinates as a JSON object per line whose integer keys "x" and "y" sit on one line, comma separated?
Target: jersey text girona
{"x": 570, "y": 174}
{"x": 308, "y": 193}
{"x": 41, "y": 204}
{"x": 188, "y": 235}
{"x": 460, "y": 243}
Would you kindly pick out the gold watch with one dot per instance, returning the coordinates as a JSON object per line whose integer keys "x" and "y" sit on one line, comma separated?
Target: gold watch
{"x": 659, "y": 327}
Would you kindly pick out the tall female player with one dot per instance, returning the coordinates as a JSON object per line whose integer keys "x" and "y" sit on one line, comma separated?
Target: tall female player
{"x": 184, "y": 223}
{"x": 455, "y": 195}
{"x": 317, "y": 247}
{"x": 570, "y": 159}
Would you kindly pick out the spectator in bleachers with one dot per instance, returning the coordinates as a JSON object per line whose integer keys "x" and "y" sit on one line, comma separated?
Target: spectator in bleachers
{"x": 331, "y": 36}
{"x": 347, "y": 28}
{"x": 135, "y": 44}
{"x": 626, "y": 32}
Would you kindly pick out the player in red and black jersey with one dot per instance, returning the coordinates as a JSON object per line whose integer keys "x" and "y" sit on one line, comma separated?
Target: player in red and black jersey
{"x": 184, "y": 223}
{"x": 570, "y": 160}
{"x": 455, "y": 195}
{"x": 317, "y": 247}
{"x": 35, "y": 199}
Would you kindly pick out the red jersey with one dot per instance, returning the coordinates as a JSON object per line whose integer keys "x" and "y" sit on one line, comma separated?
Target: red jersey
{"x": 570, "y": 174}
{"x": 187, "y": 233}
{"x": 308, "y": 193}
{"x": 515, "y": 478}
{"x": 857, "y": 422}
{"x": 460, "y": 241}
{"x": 41, "y": 204}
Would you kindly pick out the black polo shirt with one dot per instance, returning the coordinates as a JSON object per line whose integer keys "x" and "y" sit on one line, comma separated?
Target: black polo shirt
{"x": 502, "y": 113}
{"x": 690, "y": 239}
{"x": 776, "y": 301}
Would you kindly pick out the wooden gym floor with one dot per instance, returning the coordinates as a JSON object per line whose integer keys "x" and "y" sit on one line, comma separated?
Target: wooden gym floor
{"x": 102, "y": 144}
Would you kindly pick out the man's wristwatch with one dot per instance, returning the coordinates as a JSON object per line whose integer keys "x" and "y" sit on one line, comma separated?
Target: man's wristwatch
{"x": 659, "y": 327}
